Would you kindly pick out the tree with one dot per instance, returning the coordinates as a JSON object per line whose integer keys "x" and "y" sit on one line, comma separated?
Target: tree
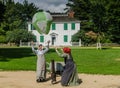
{"x": 18, "y": 35}
{"x": 2, "y": 10}
{"x": 15, "y": 16}
{"x": 82, "y": 9}
{"x": 28, "y": 10}
{"x": 2, "y": 39}
{"x": 113, "y": 10}
{"x": 99, "y": 16}
{"x": 25, "y": 12}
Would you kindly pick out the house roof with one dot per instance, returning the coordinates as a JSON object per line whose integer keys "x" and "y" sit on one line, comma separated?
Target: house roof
{"x": 63, "y": 18}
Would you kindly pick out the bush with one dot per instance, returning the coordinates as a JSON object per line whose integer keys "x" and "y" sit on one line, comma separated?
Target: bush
{"x": 2, "y": 39}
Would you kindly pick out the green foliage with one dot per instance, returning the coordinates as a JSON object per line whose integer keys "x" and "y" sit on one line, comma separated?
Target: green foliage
{"x": 2, "y": 39}
{"x": 86, "y": 40}
{"x": 99, "y": 16}
{"x": 2, "y": 32}
{"x": 76, "y": 37}
{"x": 81, "y": 8}
{"x": 9, "y": 16}
{"x": 28, "y": 10}
{"x": 19, "y": 35}
{"x": 98, "y": 13}
{"x": 16, "y": 15}
{"x": 114, "y": 20}
{"x": 2, "y": 10}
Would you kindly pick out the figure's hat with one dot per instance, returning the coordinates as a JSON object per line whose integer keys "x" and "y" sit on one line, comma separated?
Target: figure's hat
{"x": 66, "y": 50}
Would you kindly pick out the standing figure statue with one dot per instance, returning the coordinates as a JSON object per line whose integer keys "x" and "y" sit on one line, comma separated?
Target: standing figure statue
{"x": 41, "y": 62}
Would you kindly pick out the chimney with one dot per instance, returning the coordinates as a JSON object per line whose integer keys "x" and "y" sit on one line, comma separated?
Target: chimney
{"x": 71, "y": 14}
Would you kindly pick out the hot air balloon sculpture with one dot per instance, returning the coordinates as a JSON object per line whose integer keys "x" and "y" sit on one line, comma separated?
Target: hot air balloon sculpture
{"x": 42, "y": 22}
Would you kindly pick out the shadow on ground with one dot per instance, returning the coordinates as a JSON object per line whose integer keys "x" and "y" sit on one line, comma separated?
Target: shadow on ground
{"x": 13, "y": 53}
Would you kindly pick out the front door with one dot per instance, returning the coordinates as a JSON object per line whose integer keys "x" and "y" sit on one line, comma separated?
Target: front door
{"x": 53, "y": 39}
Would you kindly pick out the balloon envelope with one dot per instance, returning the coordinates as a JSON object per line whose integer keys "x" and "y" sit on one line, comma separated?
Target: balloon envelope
{"x": 42, "y": 21}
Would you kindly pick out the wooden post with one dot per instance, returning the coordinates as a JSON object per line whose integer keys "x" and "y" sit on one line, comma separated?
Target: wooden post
{"x": 53, "y": 74}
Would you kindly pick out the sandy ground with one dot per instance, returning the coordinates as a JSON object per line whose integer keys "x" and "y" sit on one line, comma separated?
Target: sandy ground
{"x": 27, "y": 79}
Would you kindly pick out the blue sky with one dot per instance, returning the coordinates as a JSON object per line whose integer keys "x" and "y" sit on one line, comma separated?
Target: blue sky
{"x": 52, "y": 5}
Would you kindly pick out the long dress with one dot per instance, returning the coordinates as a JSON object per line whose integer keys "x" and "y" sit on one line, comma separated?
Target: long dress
{"x": 41, "y": 63}
{"x": 69, "y": 75}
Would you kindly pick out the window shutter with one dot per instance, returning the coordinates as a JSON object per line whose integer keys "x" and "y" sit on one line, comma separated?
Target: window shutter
{"x": 65, "y": 26}
{"x": 41, "y": 38}
{"x": 53, "y": 26}
{"x": 73, "y": 26}
{"x": 34, "y": 38}
{"x": 65, "y": 38}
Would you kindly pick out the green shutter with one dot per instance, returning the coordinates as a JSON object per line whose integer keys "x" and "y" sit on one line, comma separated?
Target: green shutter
{"x": 73, "y": 26}
{"x": 53, "y": 26}
{"x": 65, "y": 38}
{"x": 65, "y": 26}
{"x": 34, "y": 38}
{"x": 41, "y": 38}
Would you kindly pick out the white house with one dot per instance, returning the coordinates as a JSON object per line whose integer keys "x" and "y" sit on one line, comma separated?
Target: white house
{"x": 61, "y": 30}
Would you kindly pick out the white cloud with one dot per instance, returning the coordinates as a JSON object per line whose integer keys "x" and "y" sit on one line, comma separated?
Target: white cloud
{"x": 51, "y": 5}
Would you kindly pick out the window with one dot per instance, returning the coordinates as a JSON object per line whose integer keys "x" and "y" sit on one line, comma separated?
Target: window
{"x": 73, "y": 26}
{"x": 53, "y": 26}
{"x": 65, "y": 38}
{"x": 65, "y": 26}
{"x": 41, "y": 38}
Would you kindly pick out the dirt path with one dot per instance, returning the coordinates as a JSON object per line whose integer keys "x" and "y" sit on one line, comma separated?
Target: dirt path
{"x": 26, "y": 79}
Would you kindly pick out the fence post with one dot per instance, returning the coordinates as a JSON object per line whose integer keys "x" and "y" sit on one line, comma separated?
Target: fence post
{"x": 20, "y": 43}
{"x": 28, "y": 43}
{"x": 80, "y": 42}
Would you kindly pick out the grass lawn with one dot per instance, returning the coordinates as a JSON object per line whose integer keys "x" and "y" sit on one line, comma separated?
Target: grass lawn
{"x": 88, "y": 60}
